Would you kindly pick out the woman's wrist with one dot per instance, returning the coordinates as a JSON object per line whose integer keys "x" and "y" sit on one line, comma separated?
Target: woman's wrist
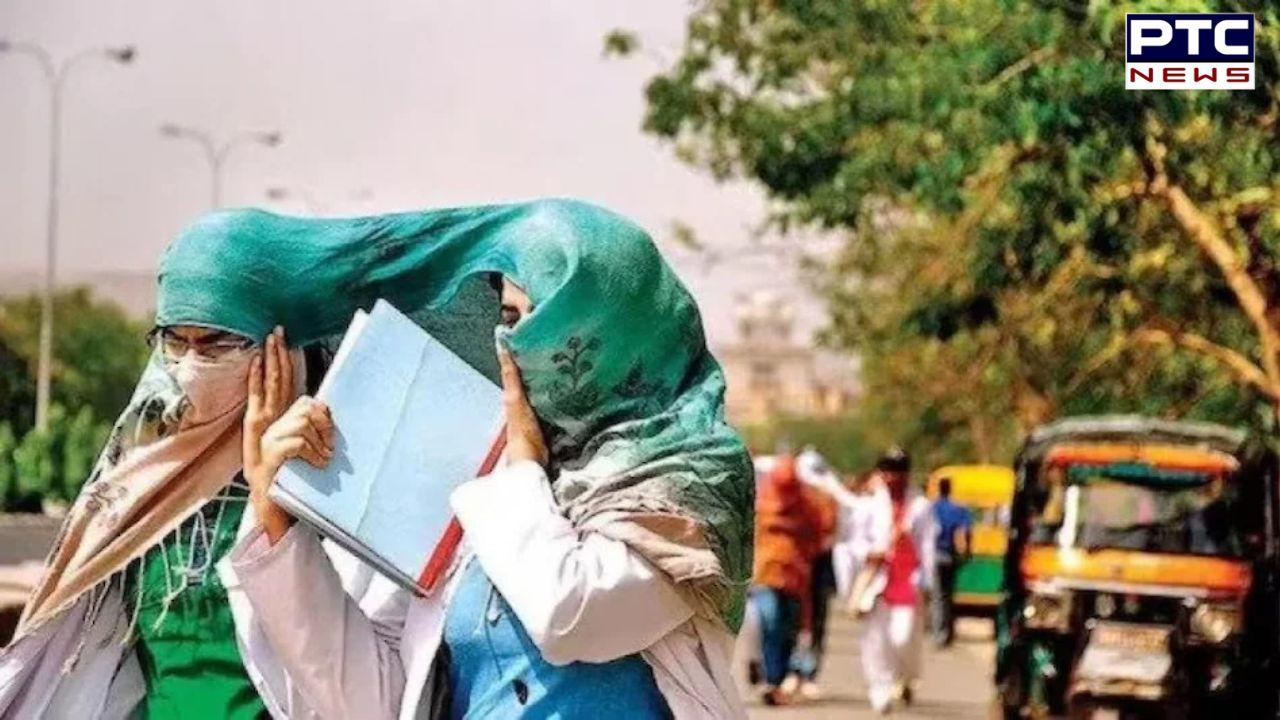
{"x": 275, "y": 522}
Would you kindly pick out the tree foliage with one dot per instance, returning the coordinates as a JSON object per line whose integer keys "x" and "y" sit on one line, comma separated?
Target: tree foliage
{"x": 17, "y": 388}
{"x": 99, "y": 354}
{"x": 98, "y": 351}
{"x": 50, "y": 465}
{"x": 1025, "y": 238}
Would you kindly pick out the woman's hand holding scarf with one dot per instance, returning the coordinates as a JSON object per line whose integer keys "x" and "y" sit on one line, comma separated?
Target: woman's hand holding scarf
{"x": 525, "y": 440}
{"x": 273, "y": 435}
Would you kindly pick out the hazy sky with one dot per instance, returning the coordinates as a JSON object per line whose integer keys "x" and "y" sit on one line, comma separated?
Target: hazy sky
{"x": 424, "y": 103}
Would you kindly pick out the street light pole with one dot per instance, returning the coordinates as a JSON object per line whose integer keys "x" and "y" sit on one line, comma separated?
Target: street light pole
{"x": 55, "y": 76}
{"x": 216, "y": 154}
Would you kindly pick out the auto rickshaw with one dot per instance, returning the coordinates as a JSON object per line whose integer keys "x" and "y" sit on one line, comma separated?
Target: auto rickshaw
{"x": 987, "y": 491}
{"x": 1141, "y": 577}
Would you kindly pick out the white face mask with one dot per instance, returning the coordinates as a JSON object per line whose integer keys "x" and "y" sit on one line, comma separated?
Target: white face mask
{"x": 213, "y": 387}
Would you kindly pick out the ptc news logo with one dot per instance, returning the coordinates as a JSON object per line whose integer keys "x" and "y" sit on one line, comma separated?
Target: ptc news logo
{"x": 1189, "y": 51}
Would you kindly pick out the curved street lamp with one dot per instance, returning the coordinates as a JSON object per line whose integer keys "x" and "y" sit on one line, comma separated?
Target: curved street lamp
{"x": 55, "y": 74}
{"x": 216, "y": 153}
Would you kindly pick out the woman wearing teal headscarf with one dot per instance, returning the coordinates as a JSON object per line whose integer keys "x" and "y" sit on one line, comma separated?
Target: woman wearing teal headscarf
{"x": 130, "y": 618}
{"x": 606, "y": 562}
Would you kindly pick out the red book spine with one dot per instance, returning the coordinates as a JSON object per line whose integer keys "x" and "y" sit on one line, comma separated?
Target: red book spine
{"x": 448, "y": 545}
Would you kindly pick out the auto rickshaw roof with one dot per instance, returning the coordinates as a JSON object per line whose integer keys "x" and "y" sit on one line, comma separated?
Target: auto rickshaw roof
{"x": 1133, "y": 429}
{"x": 977, "y": 485}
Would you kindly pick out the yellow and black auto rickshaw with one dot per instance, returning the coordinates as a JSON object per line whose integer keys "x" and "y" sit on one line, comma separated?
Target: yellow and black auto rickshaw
{"x": 1141, "y": 577}
{"x": 986, "y": 491}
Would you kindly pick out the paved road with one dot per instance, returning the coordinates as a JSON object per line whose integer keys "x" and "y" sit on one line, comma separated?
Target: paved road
{"x": 956, "y": 683}
{"x": 26, "y": 537}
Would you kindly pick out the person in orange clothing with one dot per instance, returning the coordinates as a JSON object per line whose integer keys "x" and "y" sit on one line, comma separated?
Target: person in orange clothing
{"x": 788, "y": 537}
{"x": 821, "y": 486}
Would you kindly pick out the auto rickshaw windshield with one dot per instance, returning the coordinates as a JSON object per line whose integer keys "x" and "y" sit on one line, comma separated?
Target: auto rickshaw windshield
{"x": 1150, "y": 511}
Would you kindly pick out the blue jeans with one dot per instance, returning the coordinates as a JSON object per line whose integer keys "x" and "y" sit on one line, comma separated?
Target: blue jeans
{"x": 779, "y": 625}
{"x": 806, "y": 662}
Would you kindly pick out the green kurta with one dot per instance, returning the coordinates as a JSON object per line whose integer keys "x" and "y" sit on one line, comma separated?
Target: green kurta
{"x": 189, "y": 655}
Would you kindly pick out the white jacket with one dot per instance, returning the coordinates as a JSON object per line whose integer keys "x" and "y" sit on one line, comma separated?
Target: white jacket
{"x": 323, "y": 636}
{"x": 875, "y": 534}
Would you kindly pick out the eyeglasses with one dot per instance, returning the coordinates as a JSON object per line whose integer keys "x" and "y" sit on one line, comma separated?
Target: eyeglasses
{"x": 175, "y": 346}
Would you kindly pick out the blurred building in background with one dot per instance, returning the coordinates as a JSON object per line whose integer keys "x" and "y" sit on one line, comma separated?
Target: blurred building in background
{"x": 770, "y": 373}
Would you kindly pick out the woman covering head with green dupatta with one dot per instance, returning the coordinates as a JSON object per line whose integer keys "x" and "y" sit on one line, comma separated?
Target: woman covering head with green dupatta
{"x": 613, "y": 355}
{"x": 636, "y": 514}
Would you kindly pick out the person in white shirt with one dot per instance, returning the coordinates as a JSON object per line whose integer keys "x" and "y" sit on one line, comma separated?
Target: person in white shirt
{"x": 850, "y": 549}
{"x": 848, "y": 546}
{"x": 900, "y": 538}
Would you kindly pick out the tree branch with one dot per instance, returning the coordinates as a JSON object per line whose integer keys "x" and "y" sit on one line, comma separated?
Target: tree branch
{"x": 1027, "y": 62}
{"x": 1209, "y": 238}
{"x": 1113, "y": 350}
{"x": 1239, "y": 365}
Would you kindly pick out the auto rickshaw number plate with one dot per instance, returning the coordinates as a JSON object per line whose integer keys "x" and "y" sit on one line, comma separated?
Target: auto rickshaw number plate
{"x": 1127, "y": 636}
{"x": 1126, "y": 653}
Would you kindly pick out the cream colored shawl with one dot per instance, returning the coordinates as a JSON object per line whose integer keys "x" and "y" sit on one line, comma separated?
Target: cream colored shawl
{"x": 175, "y": 447}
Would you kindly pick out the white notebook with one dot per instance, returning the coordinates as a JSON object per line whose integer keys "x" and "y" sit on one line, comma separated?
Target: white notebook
{"x": 413, "y": 421}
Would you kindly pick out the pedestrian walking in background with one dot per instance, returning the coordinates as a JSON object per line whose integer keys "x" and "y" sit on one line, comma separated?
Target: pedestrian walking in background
{"x": 827, "y": 495}
{"x": 899, "y": 563}
{"x": 954, "y": 544}
{"x": 788, "y": 537}
{"x": 850, "y": 548}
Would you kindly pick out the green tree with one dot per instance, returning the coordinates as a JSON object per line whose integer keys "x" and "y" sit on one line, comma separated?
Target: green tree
{"x": 1026, "y": 238}
{"x": 843, "y": 441}
{"x": 8, "y": 474}
{"x": 54, "y": 463}
{"x": 98, "y": 354}
{"x": 35, "y": 461}
{"x": 17, "y": 388}
{"x": 85, "y": 437}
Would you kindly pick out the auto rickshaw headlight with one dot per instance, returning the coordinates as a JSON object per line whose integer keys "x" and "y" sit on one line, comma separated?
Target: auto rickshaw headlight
{"x": 1215, "y": 622}
{"x": 1048, "y": 611}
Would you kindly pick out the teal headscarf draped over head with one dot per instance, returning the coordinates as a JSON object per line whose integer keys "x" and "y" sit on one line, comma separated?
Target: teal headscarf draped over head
{"x": 613, "y": 355}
